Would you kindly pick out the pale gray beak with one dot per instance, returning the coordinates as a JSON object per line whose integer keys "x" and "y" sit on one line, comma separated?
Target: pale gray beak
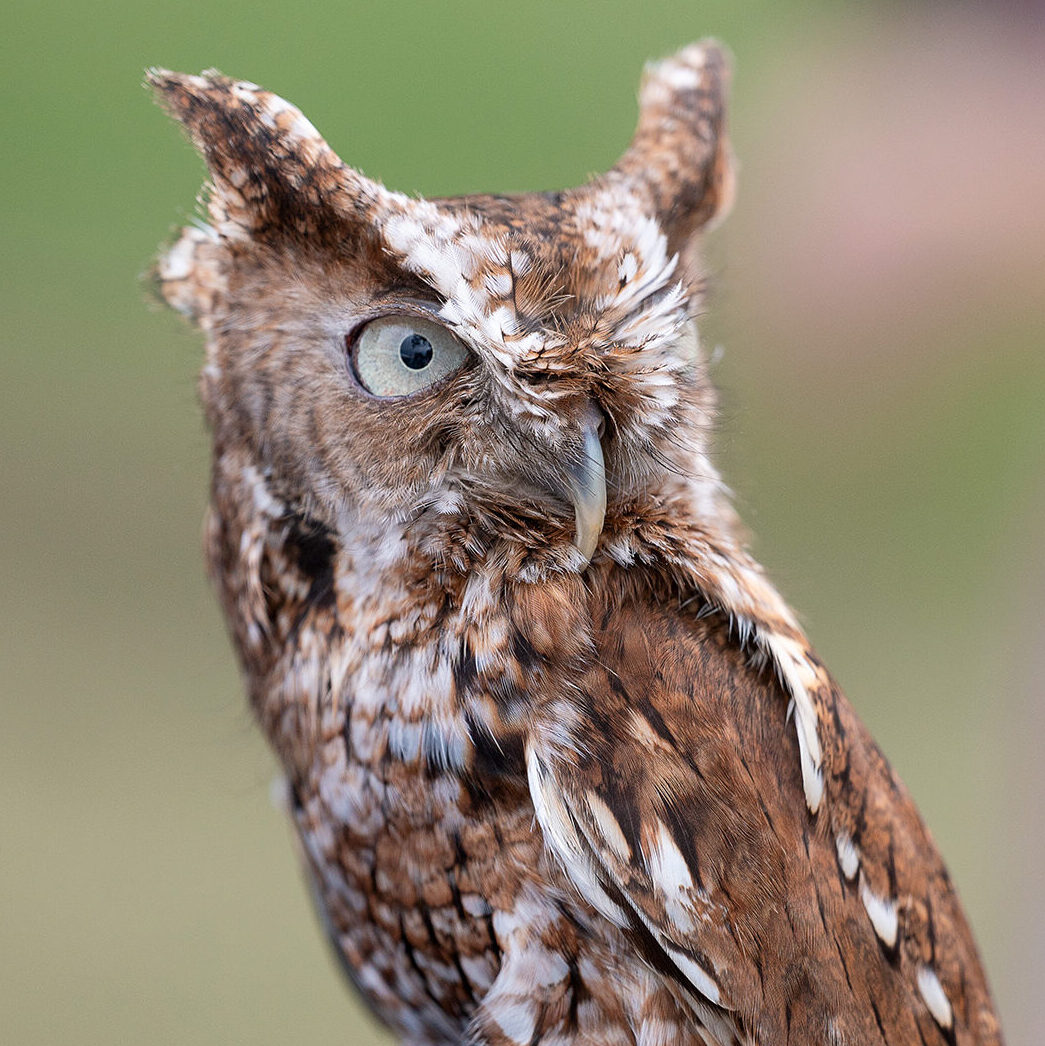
{"x": 586, "y": 482}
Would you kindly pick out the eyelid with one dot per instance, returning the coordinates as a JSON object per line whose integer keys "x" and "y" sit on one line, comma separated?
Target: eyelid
{"x": 403, "y": 307}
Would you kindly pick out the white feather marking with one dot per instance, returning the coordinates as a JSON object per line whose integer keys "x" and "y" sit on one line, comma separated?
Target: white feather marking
{"x": 551, "y": 811}
{"x": 264, "y": 503}
{"x": 444, "y": 744}
{"x": 246, "y": 92}
{"x": 608, "y": 826}
{"x": 797, "y": 675}
{"x": 238, "y": 177}
{"x": 694, "y": 972}
{"x": 475, "y": 905}
{"x": 178, "y": 262}
{"x": 275, "y": 106}
{"x": 503, "y": 322}
{"x": 882, "y": 912}
{"x": 655, "y": 1031}
{"x": 520, "y": 261}
{"x": 516, "y": 1019}
{"x": 627, "y": 268}
{"x": 404, "y": 740}
{"x": 678, "y": 76}
{"x": 498, "y": 284}
{"x": 370, "y": 977}
{"x": 545, "y": 967}
{"x": 557, "y": 825}
{"x": 666, "y": 864}
{"x": 494, "y": 326}
{"x": 477, "y": 968}
{"x": 303, "y": 128}
{"x": 432, "y": 260}
{"x": 935, "y": 997}
{"x": 848, "y": 855}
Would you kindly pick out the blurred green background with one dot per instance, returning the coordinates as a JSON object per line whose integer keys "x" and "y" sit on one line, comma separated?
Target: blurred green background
{"x": 878, "y": 299}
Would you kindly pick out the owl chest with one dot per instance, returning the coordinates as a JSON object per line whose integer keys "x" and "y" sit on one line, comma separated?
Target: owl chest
{"x": 409, "y": 861}
{"x": 412, "y": 851}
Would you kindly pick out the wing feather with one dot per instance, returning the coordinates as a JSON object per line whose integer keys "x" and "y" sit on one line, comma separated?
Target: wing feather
{"x": 682, "y": 815}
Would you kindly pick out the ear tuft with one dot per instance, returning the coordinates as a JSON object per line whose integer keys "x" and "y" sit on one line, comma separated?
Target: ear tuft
{"x": 679, "y": 158}
{"x": 270, "y": 167}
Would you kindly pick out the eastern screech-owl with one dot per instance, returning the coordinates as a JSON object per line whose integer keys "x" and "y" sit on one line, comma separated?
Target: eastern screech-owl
{"x": 564, "y": 766}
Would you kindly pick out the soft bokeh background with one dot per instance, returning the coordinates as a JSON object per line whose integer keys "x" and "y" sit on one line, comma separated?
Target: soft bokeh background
{"x": 879, "y": 298}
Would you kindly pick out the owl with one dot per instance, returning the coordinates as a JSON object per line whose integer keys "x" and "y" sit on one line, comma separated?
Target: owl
{"x": 563, "y": 765}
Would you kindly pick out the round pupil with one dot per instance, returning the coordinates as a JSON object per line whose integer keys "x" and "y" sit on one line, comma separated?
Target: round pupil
{"x": 415, "y": 351}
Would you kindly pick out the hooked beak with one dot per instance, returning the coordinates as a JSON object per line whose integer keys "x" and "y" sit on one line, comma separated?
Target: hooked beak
{"x": 586, "y": 485}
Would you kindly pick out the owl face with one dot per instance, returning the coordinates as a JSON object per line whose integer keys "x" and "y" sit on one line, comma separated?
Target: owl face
{"x": 528, "y": 363}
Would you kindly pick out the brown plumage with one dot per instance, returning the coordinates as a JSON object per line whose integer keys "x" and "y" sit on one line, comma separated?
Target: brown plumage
{"x": 564, "y": 767}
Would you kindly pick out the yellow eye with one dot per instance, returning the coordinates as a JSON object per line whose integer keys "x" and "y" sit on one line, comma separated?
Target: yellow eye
{"x": 401, "y": 355}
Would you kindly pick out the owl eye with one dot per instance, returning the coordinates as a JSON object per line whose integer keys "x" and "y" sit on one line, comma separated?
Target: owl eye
{"x": 401, "y": 355}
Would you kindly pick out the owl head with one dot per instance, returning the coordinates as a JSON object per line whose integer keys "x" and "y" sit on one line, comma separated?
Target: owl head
{"x": 523, "y": 369}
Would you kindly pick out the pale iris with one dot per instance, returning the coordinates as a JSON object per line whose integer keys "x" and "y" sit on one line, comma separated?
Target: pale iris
{"x": 402, "y": 355}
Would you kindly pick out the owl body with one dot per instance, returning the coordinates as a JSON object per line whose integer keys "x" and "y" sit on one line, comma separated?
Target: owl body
{"x": 563, "y": 765}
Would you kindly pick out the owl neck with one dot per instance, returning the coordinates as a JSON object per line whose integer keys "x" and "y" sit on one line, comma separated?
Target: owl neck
{"x": 482, "y": 622}
{"x": 520, "y": 622}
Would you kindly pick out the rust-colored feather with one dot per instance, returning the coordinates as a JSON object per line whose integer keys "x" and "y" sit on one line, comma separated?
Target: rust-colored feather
{"x": 686, "y": 800}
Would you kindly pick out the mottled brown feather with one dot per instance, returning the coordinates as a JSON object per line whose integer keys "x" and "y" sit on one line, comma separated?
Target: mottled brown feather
{"x": 687, "y": 733}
